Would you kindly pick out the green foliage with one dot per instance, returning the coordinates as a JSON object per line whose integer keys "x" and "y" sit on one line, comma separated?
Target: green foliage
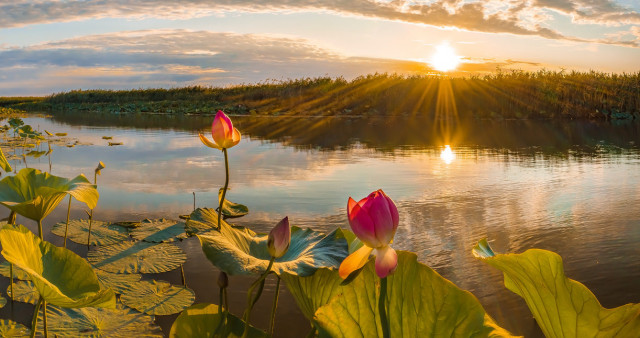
{"x": 34, "y": 194}
{"x": 240, "y": 251}
{"x": 201, "y": 320}
{"x": 102, "y": 233}
{"x": 157, "y": 297}
{"x": 9, "y": 328}
{"x": 231, "y": 209}
{"x": 313, "y": 291}
{"x": 137, "y": 257}
{"x": 61, "y": 277}
{"x": 561, "y": 306}
{"x": 159, "y": 230}
{"x": 4, "y": 163}
{"x": 419, "y": 302}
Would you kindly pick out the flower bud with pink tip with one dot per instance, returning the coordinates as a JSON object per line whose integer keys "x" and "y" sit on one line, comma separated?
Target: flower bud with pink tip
{"x": 279, "y": 239}
{"x": 224, "y": 134}
{"x": 374, "y": 221}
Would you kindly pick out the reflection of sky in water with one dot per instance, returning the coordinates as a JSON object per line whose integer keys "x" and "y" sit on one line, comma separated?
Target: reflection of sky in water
{"x": 584, "y": 208}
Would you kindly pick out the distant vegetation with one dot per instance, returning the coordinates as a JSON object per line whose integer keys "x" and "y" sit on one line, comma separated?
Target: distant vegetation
{"x": 516, "y": 94}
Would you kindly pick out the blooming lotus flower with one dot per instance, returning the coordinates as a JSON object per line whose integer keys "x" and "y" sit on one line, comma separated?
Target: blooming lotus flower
{"x": 279, "y": 239}
{"x": 374, "y": 220}
{"x": 224, "y": 134}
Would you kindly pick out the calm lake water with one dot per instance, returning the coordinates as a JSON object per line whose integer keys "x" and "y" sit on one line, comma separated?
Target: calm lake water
{"x": 570, "y": 187}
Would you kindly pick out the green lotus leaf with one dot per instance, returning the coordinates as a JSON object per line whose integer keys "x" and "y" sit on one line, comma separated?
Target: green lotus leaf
{"x": 240, "y": 251}
{"x": 61, "y": 277}
{"x": 94, "y": 322}
{"x": 34, "y": 194}
{"x": 118, "y": 282}
{"x": 202, "y": 220}
{"x": 201, "y": 320}
{"x": 24, "y": 291}
{"x": 17, "y": 272}
{"x": 9, "y": 328}
{"x": 313, "y": 291}
{"x": 102, "y": 233}
{"x": 561, "y": 306}
{"x": 158, "y": 297}
{"x": 137, "y": 257}
{"x": 4, "y": 164}
{"x": 231, "y": 209}
{"x": 419, "y": 302}
{"x": 159, "y": 230}
{"x": 36, "y": 154}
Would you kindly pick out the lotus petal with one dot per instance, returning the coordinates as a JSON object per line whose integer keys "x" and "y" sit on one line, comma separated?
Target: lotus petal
{"x": 61, "y": 277}
{"x": 158, "y": 297}
{"x": 102, "y": 233}
{"x": 137, "y": 257}
{"x": 201, "y": 320}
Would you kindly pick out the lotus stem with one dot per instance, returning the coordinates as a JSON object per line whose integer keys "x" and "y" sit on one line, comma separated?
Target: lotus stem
{"x": 66, "y": 227}
{"x": 44, "y": 318}
{"x": 184, "y": 280}
{"x": 12, "y": 221}
{"x": 194, "y": 201}
{"x": 381, "y": 308}
{"x": 226, "y": 185}
{"x": 90, "y": 223}
{"x": 274, "y": 307}
{"x": 34, "y": 321}
{"x": 40, "y": 229}
{"x": 252, "y": 301}
{"x": 221, "y": 323}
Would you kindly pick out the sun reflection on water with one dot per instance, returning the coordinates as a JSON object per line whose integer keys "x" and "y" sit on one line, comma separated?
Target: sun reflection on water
{"x": 447, "y": 155}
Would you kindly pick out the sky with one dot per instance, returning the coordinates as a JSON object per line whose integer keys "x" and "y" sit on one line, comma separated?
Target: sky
{"x": 51, "y": 46}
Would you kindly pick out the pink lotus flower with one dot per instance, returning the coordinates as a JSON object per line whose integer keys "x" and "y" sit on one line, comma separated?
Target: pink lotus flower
{"x": 279, "y": 239}
{"x": 224, "y": 134}
{"x": 374, "y": 220}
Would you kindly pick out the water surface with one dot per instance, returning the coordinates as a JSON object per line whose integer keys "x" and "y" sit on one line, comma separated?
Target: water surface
{"x": 570, "y": 187}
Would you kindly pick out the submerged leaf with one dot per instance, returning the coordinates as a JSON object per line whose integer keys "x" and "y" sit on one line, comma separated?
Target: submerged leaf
{"x": 102, "y": 233}
{"x": 34, "y": 194}
{"x": 9, "y": 328}
{"x": 24, "y": 291}
{"x": 240, "y": 251}
{"x": 561, "y": 306}
{"x": 231, "y": 209}
{"x": 93, "y": 322}
{"x": 158, "y": 297}
{"x": 201, "y": 320}
{"x": 118, "y": 282}
{"x": 61, "y": 277}
{"x": 419, "y": 302}
{"x": 137, "y": 257}
{"x": 159, "y": 230}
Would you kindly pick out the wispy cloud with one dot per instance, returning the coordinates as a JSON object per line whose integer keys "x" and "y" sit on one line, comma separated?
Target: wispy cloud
{"x": 494, "y": 16}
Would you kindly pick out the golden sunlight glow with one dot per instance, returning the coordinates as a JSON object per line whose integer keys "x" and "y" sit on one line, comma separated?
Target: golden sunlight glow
{"x": 445, "y": 58}
{"x": 447, "y": 155}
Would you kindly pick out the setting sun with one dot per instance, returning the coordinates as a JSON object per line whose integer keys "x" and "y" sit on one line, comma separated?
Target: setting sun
{"x": 445, "y": 58}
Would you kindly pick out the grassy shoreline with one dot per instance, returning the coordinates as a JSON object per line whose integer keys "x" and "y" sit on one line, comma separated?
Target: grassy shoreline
{"x": 517, "y": 94}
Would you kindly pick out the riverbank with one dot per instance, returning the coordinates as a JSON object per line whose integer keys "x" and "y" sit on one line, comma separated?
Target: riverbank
{"x": 521, "y": 95}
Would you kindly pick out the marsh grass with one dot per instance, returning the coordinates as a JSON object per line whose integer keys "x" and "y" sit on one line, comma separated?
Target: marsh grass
{"x": 514, "y": 94}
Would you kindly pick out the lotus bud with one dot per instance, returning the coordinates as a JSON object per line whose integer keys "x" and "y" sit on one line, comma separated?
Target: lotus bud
{"x": 223, "y": 280}
{"x": 99, "y": 167}
{"x": 279, "y": 239}
{"x": 374, "y": 219}
{"x": 223, "y": 132}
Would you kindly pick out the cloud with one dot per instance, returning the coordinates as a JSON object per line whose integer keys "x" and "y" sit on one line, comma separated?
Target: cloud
{"x": 494, "y": 16}
{"x": 175, "y": 58}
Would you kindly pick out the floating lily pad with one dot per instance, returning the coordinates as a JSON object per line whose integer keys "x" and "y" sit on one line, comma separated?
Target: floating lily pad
{"x": 158, "y": 297}
{"x": 118, "y": 282}
{"x": 137, "y": 257}
{"x": 159, "y": 230}
{"x": 240, "y": 251}
{"x": 94, "y": 322}
{"x": 61, "y": 277}
{"x": 201, "y": 320}
{"x": 18, "y": 273}
{"x": 231, "y": 209}
{"x": 9, "y": 328}
{"x": 24, "y": 291}
{"x": 128, "y": 224}
{"x": 34, "y": 194}
{"x": 102, "y": 233}
{"x": 562, "y": 307}
{"x": 202, "y": 220}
